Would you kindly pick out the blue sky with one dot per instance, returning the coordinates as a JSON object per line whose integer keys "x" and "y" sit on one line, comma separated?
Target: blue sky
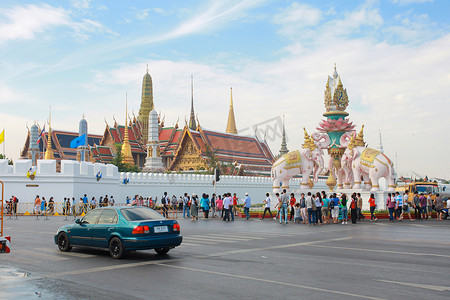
{"x": 84, "y": 56}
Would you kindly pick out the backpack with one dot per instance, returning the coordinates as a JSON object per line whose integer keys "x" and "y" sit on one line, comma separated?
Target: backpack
{"x": 353, "y": 204}
{"x": 163, "y": 200}
{"x": 313, "y": 204}
{"x": 331, "y": 203}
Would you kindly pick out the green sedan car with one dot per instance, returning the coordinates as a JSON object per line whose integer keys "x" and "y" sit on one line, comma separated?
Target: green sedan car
{"x": 121, "y": 229}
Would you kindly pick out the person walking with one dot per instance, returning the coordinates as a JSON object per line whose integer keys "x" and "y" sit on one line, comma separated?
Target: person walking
{"x": 423, "y": 206}
{"x": 343, "y": 208}
{"x": 267, "y": 206}
{"x": 51, "y": 206}
{"x": 373, "y": 206}
{"x": 194, "y": 207}
{"x": 416, "y": 205}
{"x": 247, "y": 205}
{"x": 359, "y": 203}
{"x": 429, "y": 205}
{"x": 234, "y": 203}
{"x": 219, "y": 205}
{"x": 232, "y": 207}
{"x": 164, "y": 203}
{"x": 406, "y": 208}
{"x": 283, "y": 203}
{"x": 213, "y": 205}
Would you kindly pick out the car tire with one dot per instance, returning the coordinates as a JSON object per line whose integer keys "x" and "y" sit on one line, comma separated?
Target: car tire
{"x": 116, "y": 249}
{"x": 63, "y": 242}
{"x": 162, "y": 251}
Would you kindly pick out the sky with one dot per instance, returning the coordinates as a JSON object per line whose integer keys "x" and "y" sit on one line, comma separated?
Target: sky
{"x": 88, "y": 56}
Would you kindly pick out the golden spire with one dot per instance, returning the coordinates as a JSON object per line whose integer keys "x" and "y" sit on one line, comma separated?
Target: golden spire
{"x": 127, "y": 157}
{"x": 309, "y": 143}
{"x": 146, "y": 105}
{"x": 359, "y": 140}
{"x": 49, "y": 151}
{"x": 231, "y": 125}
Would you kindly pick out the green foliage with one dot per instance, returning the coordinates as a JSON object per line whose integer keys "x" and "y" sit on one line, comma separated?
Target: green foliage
{"x": 10, "y": 162}
{"x": 211, "y": 160}
{"x": 117, "y": 161}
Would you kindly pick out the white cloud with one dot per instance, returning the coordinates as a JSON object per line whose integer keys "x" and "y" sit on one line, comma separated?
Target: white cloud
{"x": 297, "y": 16}
{"x": 25, "y": 22}
{"x": 81, "y": 4}
{"x": 404, "y": 2}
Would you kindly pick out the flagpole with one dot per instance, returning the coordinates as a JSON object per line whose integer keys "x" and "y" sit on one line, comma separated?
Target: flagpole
{"x": 4, "y": 143}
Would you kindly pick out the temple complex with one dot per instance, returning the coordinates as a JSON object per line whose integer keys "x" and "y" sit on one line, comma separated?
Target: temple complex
{"x": 148, "y": 144}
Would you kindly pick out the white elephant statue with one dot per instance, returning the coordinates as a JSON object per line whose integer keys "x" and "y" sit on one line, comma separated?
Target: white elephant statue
{"x": 344, "y": 179}
{"x": 368, "y": 164}
{"x": 305, "y": 161}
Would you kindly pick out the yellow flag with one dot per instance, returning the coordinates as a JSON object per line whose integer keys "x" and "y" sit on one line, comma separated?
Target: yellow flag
{"x": 2, "y": 136}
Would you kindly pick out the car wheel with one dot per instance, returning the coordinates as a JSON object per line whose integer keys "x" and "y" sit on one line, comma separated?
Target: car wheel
{"x": 162, "y": 251}
{"x": 116, "y": 249}
{"x": 63, "y": 242}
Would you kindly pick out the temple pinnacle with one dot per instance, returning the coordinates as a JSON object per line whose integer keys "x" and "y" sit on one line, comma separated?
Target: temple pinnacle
{"x": 284, "y": 148}
{"x": 192, "y": 123}
{"x": 127, "y": 157}
{"x": 231, "y": 124}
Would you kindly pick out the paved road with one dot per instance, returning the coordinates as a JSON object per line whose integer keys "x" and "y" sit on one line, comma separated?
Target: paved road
{"x": 238, "y": 260}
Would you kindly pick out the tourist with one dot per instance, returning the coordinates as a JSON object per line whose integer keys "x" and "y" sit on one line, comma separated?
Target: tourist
{"x": 303, "y": 209}
{"x": 406, "y": 206}
{"x": 37, "y": 205}
{"x": 438, "y": 206}
{"x": 292, "y": 202}
{"x": 359, "y": 203}
{"x": 194, "y": 207}
{"x": 43, "y": 205}
{"x": 372, "y": 206}
{"x": 226, "y": 208}
{"x": 354, "y": 208}
{"x": 266, "y": 206}
{"x": 325, "y": 208}
{"x": 128, "y": 200}
{"x": 93, "y": 203}
{"x": 335, "y": 209}
{"x": 297, "y": 217}
{"x": 423, "y": 206}
{"x": 219, "y": 205}
{"x": 14, "y": 204}
{"x": 247, "y": 205}
{"x": 186, "y": 209}
{"x": 111, "y": 201}
{"x": 416, "y": 204}
{"x": 429, "y": 205}
{"x": 74, "y": 206}
{"x": 164, "y": 203}
{"x": 235, "y": 203}
{"x": 51, "y": 205}
{"x": 232, "y": 206}
{"x": 343, "y": 208}
{"x": 311, "y": 207}
{"x": 390, "y": 204}
{"x": 319, "y": 204}
{"x": 64, "y": 206}
{"x": 399, "y": 206}
{"x": 105, "y": 201}
{"x": 283, "y": 203}
{"x": 213, "y": 205}
{"x": 277, "y": 206}
{"x": 204, "y": 204}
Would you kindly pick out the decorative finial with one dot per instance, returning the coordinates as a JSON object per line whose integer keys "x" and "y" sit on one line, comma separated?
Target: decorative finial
{"x": 147, "y": 68}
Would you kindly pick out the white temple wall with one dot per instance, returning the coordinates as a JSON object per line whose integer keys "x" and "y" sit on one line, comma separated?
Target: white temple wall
{"x": 77, "y": 179}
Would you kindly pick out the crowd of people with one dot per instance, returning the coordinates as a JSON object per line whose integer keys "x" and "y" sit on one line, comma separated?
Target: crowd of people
{"x": 311, "y": 208}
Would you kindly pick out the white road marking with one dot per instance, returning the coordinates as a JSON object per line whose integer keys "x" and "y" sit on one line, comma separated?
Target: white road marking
{"x": 214, "y": 236}
{"x": 207, "y": 239}
{"x": 384, "y": 251}
{"x": 270, "y": 281}
{"x": 74, "y": 254}
{"x": 32, "y": 254}
{"x": 190, "y": 244}
{"x": 419, "y": 285}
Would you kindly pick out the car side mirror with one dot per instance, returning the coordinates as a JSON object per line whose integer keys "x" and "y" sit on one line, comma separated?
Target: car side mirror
{"x": 78, "y": 221}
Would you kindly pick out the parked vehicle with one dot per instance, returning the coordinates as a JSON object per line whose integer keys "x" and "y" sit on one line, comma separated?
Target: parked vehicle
{"x": 121, "y": 229}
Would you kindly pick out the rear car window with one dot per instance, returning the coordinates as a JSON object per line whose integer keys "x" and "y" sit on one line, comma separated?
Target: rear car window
{"x": 140, "y": 213}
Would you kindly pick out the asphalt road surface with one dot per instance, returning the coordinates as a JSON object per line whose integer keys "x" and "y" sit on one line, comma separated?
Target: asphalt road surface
{"x": 238, "y": 260}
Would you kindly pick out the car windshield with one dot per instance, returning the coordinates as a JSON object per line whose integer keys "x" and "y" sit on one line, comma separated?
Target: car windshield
{"x": 426, "y": 189}
{"x": 140, "y": 213}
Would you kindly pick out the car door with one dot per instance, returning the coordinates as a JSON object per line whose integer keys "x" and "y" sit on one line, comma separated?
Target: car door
{"x": 81, "y": 233}
{"x": 106, "y": 224}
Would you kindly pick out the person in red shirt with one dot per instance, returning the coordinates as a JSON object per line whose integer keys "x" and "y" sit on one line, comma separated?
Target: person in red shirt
{"x": 292, "y": 202}
{"x": 372, "y": 207}
{"x": 235, "y": 203}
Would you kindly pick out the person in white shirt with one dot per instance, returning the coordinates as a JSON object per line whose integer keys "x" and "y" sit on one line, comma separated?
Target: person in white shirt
{"x": 226, "y": 207}
{"x": 309, "y": 206}
{"x": 267, "y": 206}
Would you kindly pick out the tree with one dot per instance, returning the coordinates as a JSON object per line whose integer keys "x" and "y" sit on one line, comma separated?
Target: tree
{"x": 117, "y": 161}
{"x": 211, "y": 159}
{"x": 10, "y": 162}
